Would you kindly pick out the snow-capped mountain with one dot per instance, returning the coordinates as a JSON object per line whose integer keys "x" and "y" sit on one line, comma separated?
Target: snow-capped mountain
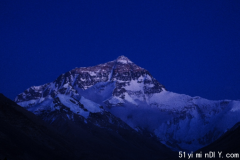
{"x": 121, "y": 90}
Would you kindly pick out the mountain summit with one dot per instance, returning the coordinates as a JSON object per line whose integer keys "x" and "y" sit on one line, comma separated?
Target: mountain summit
{"x": 123, "y": 72}
{"x": 123, "y": 59}
{"x": 120, "y": 94}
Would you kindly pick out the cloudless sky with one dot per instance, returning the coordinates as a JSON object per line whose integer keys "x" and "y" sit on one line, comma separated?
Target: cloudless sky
{"x": 190, "y": 46}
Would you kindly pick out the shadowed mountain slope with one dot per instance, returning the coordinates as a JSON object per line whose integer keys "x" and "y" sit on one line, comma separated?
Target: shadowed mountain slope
{"x": 227, "y": 143}
{"x": 23, "y": 136}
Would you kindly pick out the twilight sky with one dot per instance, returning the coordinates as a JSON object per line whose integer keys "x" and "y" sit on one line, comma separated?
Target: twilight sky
{"x": 191, "y": 47}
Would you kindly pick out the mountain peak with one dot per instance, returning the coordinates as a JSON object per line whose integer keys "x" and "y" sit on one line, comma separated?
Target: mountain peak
{"x": 123, "y": 59}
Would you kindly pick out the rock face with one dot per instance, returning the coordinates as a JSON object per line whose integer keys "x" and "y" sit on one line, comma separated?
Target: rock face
{"x": 122, "y": 90}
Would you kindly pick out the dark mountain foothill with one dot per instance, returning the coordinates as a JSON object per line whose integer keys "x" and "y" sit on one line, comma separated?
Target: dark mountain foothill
{"x": 227, "y": 146}
{"x": 24, "y": 136}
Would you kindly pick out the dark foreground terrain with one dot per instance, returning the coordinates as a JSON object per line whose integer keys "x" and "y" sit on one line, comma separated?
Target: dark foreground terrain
{"x": 24, "y": 136}
{"x": 226, "y": 147}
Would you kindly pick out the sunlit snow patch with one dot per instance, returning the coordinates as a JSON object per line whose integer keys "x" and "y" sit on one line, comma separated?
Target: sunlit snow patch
{"x": 235, "y": 106}
{"x": 90, "y": 105}
{"x": 65, "y": 100}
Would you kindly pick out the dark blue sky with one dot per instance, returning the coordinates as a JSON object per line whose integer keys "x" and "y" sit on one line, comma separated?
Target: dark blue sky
{"x": 191, "y": 47}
